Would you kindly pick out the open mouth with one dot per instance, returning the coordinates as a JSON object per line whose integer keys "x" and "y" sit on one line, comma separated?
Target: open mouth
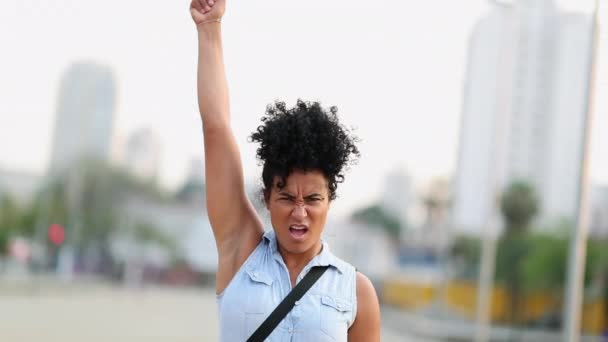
{"x": 297, "y": 231}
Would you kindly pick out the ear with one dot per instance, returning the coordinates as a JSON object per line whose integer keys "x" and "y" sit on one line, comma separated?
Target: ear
{"x": 266, "y": 196}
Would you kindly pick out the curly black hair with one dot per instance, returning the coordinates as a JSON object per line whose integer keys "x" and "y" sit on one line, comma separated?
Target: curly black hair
{"x": 305, "y": 137}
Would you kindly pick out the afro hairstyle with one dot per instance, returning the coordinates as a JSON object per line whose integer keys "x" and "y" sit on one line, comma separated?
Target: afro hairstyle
{"x": 305, "y": 137}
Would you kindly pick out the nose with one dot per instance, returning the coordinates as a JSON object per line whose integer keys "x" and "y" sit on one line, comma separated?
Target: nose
{"x": 299, "y": 211}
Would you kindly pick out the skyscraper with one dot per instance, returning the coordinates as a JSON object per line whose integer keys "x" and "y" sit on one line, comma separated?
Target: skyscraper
{"x": 84, "y": 120}
{"x": 142, "y": 154}
{"x": 523, "y": 109}
{"x": 397, "y": 197}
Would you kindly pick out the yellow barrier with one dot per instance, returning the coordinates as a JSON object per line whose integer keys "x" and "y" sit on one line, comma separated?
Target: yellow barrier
{"x": 408, "y": 295}
{"x": 461, "y": 297}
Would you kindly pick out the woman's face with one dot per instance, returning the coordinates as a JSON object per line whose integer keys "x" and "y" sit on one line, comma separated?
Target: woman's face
{"x": 298, "y": 210}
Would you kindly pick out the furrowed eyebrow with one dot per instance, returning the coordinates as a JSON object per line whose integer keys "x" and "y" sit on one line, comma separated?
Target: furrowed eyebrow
{"x": 286, "y": 194}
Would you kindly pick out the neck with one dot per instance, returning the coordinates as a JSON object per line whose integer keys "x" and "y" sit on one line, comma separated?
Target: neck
{"x": 296, "y": 262}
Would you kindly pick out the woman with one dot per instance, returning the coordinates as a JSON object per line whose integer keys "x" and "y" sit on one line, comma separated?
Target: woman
{"x": 304, "y": 150}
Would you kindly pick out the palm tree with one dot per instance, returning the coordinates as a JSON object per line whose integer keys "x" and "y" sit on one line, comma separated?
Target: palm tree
{"x": 519, "y": 204}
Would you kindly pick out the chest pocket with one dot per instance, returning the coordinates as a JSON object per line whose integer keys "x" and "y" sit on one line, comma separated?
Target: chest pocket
{"x": 335, "y": 314}
{"x": 259, "y": 303}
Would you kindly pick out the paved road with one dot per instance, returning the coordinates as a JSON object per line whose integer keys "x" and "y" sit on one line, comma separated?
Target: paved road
{"x": 99, "y": 313}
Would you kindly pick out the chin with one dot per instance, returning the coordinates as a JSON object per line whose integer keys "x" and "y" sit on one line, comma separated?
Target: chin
{"x": 296, "y": 247}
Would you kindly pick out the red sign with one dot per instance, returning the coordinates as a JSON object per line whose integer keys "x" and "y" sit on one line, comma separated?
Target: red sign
{"x": 56, "y": 234}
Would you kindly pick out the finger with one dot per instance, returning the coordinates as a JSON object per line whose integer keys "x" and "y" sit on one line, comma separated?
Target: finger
{"x": 196, "y": 5}
{"x": 210, "y": 2}
{"x": 197, "y": 15}
{"x": 203, "y": 4}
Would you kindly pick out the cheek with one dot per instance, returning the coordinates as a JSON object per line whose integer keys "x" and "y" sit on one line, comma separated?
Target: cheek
{"x": 319, "y": 213}
{"x": 278, "y": 212}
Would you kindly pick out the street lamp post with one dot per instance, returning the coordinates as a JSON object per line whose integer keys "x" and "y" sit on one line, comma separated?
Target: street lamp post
{"x": 578, "y": 247}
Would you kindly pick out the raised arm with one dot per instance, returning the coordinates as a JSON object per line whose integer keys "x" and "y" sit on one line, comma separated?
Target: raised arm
{"x": 236, "y": 226}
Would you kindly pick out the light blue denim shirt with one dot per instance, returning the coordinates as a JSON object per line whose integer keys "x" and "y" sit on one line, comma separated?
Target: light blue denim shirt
{"x": 324, "y": 313}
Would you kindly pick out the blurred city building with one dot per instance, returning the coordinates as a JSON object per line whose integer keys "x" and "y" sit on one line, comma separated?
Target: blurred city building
{"x": 523, "y": 110}
{"x": 370, "y": 249}
{"x": 599, "y": 212}
{"x": 182, "y": 217}
{"x": 398, "y": 197}
{"x": 186, "y": 224}
{"x": 21, "y": 186}
{"x": 193, "y": 188}
{"x": 85, "y": 115}
{"x": 142, "y": 155}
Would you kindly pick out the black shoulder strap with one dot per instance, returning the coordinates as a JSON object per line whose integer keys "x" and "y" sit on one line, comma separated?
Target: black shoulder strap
{"x": 287, "y": 304}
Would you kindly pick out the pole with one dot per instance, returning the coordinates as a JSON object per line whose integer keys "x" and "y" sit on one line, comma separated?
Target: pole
{"x": 497, "y": 179}
{"x": 578, "y": 247}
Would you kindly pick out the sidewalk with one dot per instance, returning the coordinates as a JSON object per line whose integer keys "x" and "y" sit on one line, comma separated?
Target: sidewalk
{"x": 47, "y": 309}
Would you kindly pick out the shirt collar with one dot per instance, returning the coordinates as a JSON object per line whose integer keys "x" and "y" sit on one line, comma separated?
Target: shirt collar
{"x": 325, "y": 258}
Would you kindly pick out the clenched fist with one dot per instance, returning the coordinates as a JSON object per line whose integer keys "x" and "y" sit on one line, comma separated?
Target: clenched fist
{"x": 203, "y": 10}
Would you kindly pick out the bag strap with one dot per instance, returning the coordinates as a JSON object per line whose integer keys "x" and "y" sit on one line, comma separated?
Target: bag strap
{"x": 287, "y": 304}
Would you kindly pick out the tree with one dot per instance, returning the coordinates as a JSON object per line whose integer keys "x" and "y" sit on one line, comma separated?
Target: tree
{"x": 9, "y": 212}
{"x": 146, "y": 232}
{"x": 9, "y": 221}
{"x": 465, "y": 251}
{"x": 544, "y": 267}
{"x": 93, "y": 195}
{"x": 4, "y": 237}
{"x": 519, "y": 204}
{"x": 89, "y": 201}
{"x": 376, "y": 215}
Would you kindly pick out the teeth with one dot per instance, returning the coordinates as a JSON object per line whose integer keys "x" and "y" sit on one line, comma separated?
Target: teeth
{"x": 298, "y": 227}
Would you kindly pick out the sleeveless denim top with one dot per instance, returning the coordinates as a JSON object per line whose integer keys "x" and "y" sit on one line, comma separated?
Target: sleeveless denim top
{"x": 324, "y": 313}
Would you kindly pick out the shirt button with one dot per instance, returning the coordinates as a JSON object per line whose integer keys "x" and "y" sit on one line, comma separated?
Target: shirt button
{"x": 297, "y": 302}
{"x": 290, "y": 330}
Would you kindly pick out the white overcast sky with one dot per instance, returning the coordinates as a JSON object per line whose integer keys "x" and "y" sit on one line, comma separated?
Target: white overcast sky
{"x": 395, "y": 69}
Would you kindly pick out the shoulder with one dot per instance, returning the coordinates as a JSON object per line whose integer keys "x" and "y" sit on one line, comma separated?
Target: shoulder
{"x": 366, "y": 293}
{"x": 367, "y": 322}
